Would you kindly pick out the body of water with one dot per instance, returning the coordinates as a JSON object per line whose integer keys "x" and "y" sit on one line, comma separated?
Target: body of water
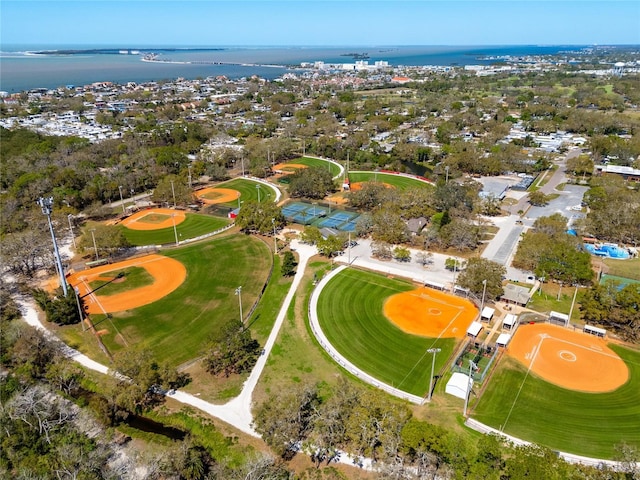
{"x": 21, "y": 70}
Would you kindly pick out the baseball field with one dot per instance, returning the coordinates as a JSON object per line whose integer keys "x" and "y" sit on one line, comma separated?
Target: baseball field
{"x": 395, "y": 181}
{"x": 566, "y": 390}
{"x": 191, "y": 295}
{"x": 385, "y": 326}
{"x": 155, "y": 226}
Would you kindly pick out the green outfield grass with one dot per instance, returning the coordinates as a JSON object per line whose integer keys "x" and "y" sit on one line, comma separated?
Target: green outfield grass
{"x": 582, "y": 423}
{"x": 134, "y": 277}
{"x": 398, "y": 181}
{"x": 350, "y": 310}
{"x": 176, "y": 327}
{"x": 317, "y": 162}
{"x": 193, "y": 226}
{"x": 248, "y": 192}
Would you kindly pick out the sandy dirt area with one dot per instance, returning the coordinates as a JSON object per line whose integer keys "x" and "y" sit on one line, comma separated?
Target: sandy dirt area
{"x": 212, "y": 196}
{"x": 154, "y": 219}
{"x": 358, "y": 185}
{"x": 430, "y": 313}
{"x": 569, "y": 359}
{"x": 168, "y": 274}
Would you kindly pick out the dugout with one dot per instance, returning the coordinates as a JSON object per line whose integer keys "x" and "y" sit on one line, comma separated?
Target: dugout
{"x": 503, "y": 340}
{"x": 474, "y": 329}
{"x": 598, "y": 332}
{"x": 435, "y": 285}
{"x": 510, "y": 322}
{"x": 487, "y": 314}
{"x": 557, "y": 318}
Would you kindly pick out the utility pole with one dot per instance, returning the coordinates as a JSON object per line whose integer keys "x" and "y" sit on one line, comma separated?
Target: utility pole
{"x": 239, "y": 294}
{"x": 173, "y": 192}
{"x": 275, "y": 241}
{"x": 95, "y": 248}
{"x": 469, "y": 383}
{"x": 46, "y": 204}
{"x": 175, "y": 230}
{"x": 121, "y": 199}
{"x": 73, "y": 237}
{"x": 433, "y": 366}
{"x": 484, "y": 291}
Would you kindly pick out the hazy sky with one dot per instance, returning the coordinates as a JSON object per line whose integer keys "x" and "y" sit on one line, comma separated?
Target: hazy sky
{"x": 311, "y": 22}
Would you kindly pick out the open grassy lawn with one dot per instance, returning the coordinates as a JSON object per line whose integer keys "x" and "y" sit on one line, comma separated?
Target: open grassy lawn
{"x": 546, "y": 300}
{"x": 132, "y": 277}
{"x": 398, "y": 181}
{"x": 248, "y": 191}
{"x": 582, "y": 423}
{"x": 623, "y": 268}
{"x": 193, "y": 226}
{"x": 350, "y": 310}
{"x": 176, "y": 327}
{"x": 317, "y": 162}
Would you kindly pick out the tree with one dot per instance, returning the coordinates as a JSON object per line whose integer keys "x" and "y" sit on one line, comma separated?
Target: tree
{"x": 109, "y": 239}
{"x": 232, "y": 350}
{"x": 402, "y": 254}
{"x": 479, "y": 270}
{"x": 285, "y": 420}
{"x": 538, "y": 198}
{"x": 424, "y": 258}
{"x": 330, "y": 245}
{"x": 61, "y": 309}
{"x": 288, "y": 264}
{"x": 173, "y": 185}
{"x": 257, "y": 217}
{"x": 312, "y": 182}
{"x": 453, "y": 264}
{"x": 381, "y": 250}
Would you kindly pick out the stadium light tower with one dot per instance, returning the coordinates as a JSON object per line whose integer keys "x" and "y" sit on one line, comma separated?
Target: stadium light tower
{"x": 484, "y": 291}
{"x": 433, "y": 366}
{"x": 46, "y": 204}
{"x": 258, "y": 188}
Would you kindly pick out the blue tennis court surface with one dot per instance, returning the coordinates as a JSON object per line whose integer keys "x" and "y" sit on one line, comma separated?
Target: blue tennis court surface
{"x": 320, "y": 216}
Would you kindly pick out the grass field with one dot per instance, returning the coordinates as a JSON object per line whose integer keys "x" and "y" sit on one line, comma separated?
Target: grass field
{"x": 581, "y": 423}
{"x": 177, "y": 327}
{"x": 623, "y": 268}
{"x": 350, "y": 313}
{"x": 248, "y": 191}
{"x": 193, "y": 226}
{"x": 316, "y": 162}
{"x": 133, "y": 277}
{"x": 398, "y": 181}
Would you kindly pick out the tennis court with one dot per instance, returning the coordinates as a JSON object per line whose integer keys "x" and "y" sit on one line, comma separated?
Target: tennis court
{"x": 320, "y": 216}
{"x": 339, "y": 220}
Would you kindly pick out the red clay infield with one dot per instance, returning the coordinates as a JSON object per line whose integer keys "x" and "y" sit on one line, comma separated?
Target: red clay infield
{"x": 430, "y": 313}
{"x": 168, "y": 274}
{"x": 154, "y": 219}
{"x": 291, "y": 167}
{"x": 572, "y": 360}
{"x": 213, "y": 196}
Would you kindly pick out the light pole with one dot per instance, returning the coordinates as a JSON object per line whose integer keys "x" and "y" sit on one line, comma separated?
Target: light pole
{"x": 239, "y": 294}
{"x": 73, "y": 237}
{"x": 121, "y": 199}
{"x": 242, "y": 162}
{"x": 469, "y": 383}
{"x": 175, "y": 230}
{"x": 484, "y": 291}
{"x": 189, "y": 168}
{"x": 275, "y": 241}
{"x": 46, "y": 204}
{"x": 95, "y": 248}
{"x": 133, "y": 196}
{"x": 258, "y": 188}
{"x": 446, "y": 170}
{"x": 433, "y": 366}
{"x": 173, "y": 192}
